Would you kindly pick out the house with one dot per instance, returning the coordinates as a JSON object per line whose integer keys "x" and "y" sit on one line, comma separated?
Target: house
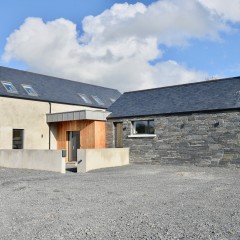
{"x": 197, "y": 123}
{"x": 43, "y": 112}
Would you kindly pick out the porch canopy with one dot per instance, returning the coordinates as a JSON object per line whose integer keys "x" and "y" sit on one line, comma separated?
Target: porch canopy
{"x": 77, "y": 115}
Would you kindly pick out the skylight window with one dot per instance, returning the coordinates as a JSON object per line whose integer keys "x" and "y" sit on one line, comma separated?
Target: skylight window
{"x": 30, "y": 91}
{"x": 98, "y": 100}
{"x": 112, "y": 100}
{"x": 85, "y": 98}
{"x": 9, "y": 87}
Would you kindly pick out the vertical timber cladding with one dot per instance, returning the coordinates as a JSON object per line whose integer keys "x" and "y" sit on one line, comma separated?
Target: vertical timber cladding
{"x": 92, "y": 134}
{"x": 100, "y": 134}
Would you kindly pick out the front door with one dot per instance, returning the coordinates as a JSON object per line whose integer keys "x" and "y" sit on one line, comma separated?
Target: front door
{"x": 73, "y": 145}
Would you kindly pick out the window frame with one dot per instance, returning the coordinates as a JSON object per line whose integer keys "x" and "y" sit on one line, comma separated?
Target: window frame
{"x": 13, "y": 90}
{"x": 85, "y": 98}
{"x": 98, "y": 100}
{"x": 21, "y": 138}
{"x": 146, "y": 134}
{"x": 32, "y": 93}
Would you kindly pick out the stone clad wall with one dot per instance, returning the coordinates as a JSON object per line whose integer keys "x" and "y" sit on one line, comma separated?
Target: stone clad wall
{"x": 205, "y": 139}
{"x": 110, "y": 134}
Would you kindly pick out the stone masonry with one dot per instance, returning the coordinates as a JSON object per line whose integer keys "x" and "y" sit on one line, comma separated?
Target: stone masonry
{"x": 203, "y": 139}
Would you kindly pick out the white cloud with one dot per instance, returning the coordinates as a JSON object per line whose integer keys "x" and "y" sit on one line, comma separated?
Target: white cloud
{"x": 175, "y": 73}
{"x": 230, "y": 10}
{"x": 117, "y": 45}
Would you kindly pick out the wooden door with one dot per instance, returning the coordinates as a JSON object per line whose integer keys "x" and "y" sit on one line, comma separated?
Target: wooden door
{"x": 118, "y": 135}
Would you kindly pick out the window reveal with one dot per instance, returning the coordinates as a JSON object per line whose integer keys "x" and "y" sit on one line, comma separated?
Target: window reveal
{"x": 17, "y": 139}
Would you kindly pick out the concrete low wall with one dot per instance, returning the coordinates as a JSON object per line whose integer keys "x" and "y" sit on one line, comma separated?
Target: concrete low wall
{"x": 90, "y": 159}
{"x": 48, "y": 160}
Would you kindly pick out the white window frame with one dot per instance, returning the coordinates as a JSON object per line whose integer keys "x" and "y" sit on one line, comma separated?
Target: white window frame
{"x": 85, "y": 98}
{"x": 98, "y": 100}
{"x": 13, "y": 90}
{"x": 140, "y": 135}
{"x": 32, "y": 93}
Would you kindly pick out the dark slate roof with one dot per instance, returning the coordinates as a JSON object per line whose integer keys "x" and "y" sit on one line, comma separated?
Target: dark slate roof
{"x": 52, "y": 89}
{"x": 211, "y": 95}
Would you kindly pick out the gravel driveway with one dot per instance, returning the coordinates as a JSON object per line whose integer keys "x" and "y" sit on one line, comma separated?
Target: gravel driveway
{"x": 132, "y": 202}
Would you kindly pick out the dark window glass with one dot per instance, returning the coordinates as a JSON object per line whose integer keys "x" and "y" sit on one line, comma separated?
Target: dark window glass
{"x": 17, "y": 139}
{"x": 143, "y": 127}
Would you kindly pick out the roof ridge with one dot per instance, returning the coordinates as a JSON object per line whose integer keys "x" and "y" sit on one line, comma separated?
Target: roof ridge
{"x": 184, "y": 84}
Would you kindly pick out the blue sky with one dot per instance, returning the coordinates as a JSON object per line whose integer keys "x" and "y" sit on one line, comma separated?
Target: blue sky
{"x": 14, "y": 12}
{"x": 126, "y": 44}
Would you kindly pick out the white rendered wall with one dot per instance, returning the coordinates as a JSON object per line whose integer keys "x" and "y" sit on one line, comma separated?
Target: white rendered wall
{"x": 30, "y": 116}
{"x": 27, "y": 115}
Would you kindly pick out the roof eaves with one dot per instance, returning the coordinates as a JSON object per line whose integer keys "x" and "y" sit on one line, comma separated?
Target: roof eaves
{"x": 174, "y": 113}
{"x": 58, "y": 102}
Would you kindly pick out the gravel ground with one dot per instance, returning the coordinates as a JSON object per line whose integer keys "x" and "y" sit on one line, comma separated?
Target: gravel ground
{"x": 132, "y": 202}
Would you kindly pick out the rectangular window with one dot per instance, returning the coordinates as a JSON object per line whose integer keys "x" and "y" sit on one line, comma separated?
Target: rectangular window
{"x": 98, "y": 100}
{"x": 17, "y": 139}
{"x": 85, "y": 98}
{"x": 143, "y": 127}
{"x": 9, "y": 87}
{"x": 29, "y": 89}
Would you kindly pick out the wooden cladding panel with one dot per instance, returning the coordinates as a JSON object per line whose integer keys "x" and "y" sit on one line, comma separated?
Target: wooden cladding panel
{"x": 92, "y": 134}
{"x": 87, "y": 136}
{"x": 100, "y": 134}
{"x": 86, "y": 129}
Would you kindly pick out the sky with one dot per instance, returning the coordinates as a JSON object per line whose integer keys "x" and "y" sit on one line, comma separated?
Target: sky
{"x": 126, "y": 45}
